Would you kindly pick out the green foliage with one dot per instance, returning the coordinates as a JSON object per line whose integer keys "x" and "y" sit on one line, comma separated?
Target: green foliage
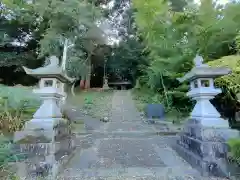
{"x": 174, "y": 33}
{"x": 125, "y": 61}
{"x": 231, "y": 81}
{"x": 48, "y": 24}
{"x": 7, "y": 155}
{"x": 145, "y": 96}
{"x": 128, "y": 59}
{"x": 96, "y": 103}
{"x": 68, "y": 19}
{"x": 164, "y": 45}
{"x": 17, "y": 106}
{"x": 15, "y": 59}
{"x": 13, "y": 119}
{"x": 15, "y": 28}
{"x": 235, "y": 149}
{"x": 159, "y": 39}
{"x": 174, "y": 37}
{"x": 88, "y": 100}
{"x": 4, "y": 149}
{"x": 16, "y": 96}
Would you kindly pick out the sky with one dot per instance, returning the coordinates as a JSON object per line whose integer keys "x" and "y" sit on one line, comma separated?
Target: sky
{"x": 219, "y": 1}
{"x": 223, "y": 1}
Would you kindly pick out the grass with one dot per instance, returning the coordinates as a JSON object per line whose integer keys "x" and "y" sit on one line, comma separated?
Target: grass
{"x": 17, "y": 105}
{"x": 6, "y": 157}
{"x": 16, "y": 95}
{"x": 145, "y": 96}
{"x": 142, "y": 98}
{"x": 95, "y": 103}
{"x": 234, "y": 153}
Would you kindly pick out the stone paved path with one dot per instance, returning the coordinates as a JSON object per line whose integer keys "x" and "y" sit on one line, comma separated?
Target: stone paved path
{"x": 126, "y": 148}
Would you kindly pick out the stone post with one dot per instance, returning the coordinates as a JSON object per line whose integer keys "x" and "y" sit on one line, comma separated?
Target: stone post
{"x": 203, "y": 140}
{"x": 105, "y": 85}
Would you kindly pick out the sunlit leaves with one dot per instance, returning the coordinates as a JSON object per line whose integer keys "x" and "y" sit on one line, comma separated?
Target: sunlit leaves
{"x": 231, "y": 81}
{"x": 177, "y": 36}
{"x": 174, "y": 36}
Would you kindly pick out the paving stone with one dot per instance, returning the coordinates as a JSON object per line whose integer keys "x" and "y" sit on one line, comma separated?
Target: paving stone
{"x": 129, "y": 126}
{"x": 84, "y": 142}
{"x": 129, "y": 173}
{"x": 125, "y": 149}
{"x": 130, "y": 153}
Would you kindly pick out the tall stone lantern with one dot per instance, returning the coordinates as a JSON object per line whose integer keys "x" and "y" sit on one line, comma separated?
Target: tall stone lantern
{"x": 46, "y": 138}
{"x": 203, "y": 140}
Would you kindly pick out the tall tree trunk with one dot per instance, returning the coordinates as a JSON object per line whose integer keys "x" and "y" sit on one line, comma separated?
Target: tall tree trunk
{"x": 89, "y": 71}
{"x": 82, "y": 83}
{"x": 165, "y": 90}
{"x": 88, "y": 75}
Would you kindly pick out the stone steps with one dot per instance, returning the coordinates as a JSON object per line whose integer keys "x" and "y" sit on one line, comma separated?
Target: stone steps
{"x": 128, "y": 134}
{"x": 134, "y": 173}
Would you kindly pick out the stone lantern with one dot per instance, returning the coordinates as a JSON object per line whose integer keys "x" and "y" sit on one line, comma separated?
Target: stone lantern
{"x": 203, "y": 140}
{"x": 105, "y": 85}
{"x": 47, "y": 134}
{"x": 51, "y": 75}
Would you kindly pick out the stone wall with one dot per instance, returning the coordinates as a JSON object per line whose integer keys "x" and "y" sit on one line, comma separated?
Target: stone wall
{"x": 46, "y": 151}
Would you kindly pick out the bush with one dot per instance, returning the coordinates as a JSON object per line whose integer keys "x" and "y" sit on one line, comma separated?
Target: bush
{"x": 231, "y": 81}
{"x": 5, "y": 155}
{"x": 13, "y": 119}
{"x": 146, "y": 96}
{"x": 4, "y": 149}
{"x": 17, "y": 105}
{"x": 234, "y": 145}
{"x": 8, "y": 155}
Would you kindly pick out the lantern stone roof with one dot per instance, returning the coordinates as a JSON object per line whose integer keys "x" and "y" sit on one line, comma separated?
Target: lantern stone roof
{"x": 204, "y": 71}
{"x": 53, "y": 70}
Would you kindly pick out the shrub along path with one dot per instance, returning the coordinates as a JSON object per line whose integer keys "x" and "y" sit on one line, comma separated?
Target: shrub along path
{"x": 126, "y": 148}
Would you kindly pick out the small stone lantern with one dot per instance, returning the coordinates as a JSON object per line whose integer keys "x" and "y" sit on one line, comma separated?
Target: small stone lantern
{"x": 203, "y": 140}
{"x": 105, "y": 85}
{"x": 202, "y": 90}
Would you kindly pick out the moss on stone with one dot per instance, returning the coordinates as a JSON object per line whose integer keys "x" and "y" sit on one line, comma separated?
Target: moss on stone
{"x": 34, "y": 139}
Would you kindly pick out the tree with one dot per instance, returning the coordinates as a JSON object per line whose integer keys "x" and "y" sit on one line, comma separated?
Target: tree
{"x": 66, "y": 23}
{"x": 124, "y": 64}
{"x": 173, "y": 36}
{"x": 128, "y": 57}
{"x": 16, "y": 48}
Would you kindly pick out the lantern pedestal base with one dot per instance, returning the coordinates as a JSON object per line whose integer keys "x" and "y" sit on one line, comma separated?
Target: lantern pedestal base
{"x": 204, "y": 147}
